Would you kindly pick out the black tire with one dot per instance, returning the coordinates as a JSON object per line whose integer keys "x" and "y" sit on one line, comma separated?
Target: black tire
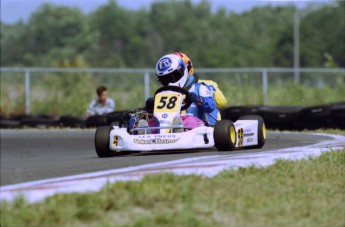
{"x": 315, "y": 117}
{"x": 115, "y": 123}
{"x": 338, "y": 115}
{"x": 9, "y": 123}
{"x": 225, "y": 135}
{"x": 261, "y": 129}
{"x": 96, "y": 121}
{"x": 72, "y": 121}
{"x": 102, "y": 142}
{"x": 39, "y": 122}
{"x": 235, "y": 112}
{"x": 280, "y": 117}
{"x": 114, "y": 116}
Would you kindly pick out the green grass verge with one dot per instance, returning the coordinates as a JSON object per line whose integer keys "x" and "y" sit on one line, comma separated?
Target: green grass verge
{"x": 289, "y": 193}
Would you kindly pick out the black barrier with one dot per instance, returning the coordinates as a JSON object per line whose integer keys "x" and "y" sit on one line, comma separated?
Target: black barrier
{"x": 235, "y": 112}
{"x": 114, "y": 116}
{"x": 315, "y": 117}
{"x": 72, "y": 121}
{"x": 293, "y": 117}
{"x": 280, "y": 117}
{"x": 40, "y": 120}
{"x": 6, "y": 123}
{"x": 96, "y": 121}
{"x": 275, "y": 117}
{"x": 338, "y": 115}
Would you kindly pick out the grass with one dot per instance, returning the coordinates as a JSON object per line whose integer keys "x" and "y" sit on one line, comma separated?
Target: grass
{"x": 307, "y": 192}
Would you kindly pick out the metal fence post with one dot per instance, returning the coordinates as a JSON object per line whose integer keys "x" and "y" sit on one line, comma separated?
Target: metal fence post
{"x": 264, "y": 87}
{"x": 147, "y": 85}
{"x": 296, "y": 48}
{"x": 27, "y": 91}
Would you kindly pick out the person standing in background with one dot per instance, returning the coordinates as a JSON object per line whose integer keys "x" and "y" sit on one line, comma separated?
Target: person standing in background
{"x": 103, "y": 104}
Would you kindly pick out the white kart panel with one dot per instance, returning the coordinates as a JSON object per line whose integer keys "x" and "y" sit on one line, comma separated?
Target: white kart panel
{"x": 247, "y": 132}
{"x": 165, "y": 113}
{"x": 120, "y": 140}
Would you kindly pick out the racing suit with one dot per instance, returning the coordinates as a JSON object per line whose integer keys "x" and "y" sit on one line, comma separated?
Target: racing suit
{"x": 206, "y": 109}
{"x": 202, "y": 111}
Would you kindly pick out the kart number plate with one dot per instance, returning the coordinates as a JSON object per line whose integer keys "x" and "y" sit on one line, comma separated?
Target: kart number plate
{"x": 167, "y": 103}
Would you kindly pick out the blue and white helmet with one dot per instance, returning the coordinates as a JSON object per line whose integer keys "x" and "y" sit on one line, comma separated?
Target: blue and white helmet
{"x": 171, "y": 71}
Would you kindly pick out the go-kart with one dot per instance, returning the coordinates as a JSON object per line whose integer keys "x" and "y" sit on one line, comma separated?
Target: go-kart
{"x": 248, "y": 132}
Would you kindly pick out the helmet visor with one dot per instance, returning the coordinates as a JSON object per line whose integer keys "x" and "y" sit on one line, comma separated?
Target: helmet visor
{"x": 172, "y": 77}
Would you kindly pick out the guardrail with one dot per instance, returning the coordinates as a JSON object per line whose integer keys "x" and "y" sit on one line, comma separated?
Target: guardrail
{"x": 147, "y": 71}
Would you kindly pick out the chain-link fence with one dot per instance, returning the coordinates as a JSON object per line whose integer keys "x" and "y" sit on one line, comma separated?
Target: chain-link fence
{"x": 59, "y": 91}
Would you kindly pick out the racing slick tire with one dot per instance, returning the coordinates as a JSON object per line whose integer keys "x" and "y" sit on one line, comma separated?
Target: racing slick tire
{"x": 102, "y": 142}
{"x": 261, "y": 129}
{"x": 224, "y": 135}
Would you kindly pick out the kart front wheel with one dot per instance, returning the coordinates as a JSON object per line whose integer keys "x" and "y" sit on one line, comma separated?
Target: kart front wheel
{"x": 102, "y": 142}
{"x": 225, "y": 135}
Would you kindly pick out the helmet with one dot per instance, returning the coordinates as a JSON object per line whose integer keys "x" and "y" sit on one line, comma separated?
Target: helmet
{"x": 171, "y": 70}
{"x": 187, "y": 61}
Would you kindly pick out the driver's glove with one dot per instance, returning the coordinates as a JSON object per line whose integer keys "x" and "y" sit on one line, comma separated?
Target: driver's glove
{"x": 194, "y": 97}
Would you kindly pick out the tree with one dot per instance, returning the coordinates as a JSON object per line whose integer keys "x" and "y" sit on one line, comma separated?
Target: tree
{"x": 57, "y": 33}
{"x": 12, "y": 44}
{"x": 116, "y": 37}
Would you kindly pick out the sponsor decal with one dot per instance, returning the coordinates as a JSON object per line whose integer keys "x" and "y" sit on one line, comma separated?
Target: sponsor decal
{"x": 248, "y": 134}
{"x": 164, "y": 122}
{"x": 115, "y": 141}
{"x": 247, "y": 130}
{"x": 154, "y": 141}
{"x": 209, "y": 93}
{"x": 164, "y": 64}
{"x": 164, "y": 115}
{"x": 240, "y": 137}
{"x": 161, "y": 136}
{"x": 250, "y": 140}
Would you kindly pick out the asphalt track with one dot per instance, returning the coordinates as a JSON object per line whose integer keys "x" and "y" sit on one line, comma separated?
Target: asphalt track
{"x": 28, "y": 155}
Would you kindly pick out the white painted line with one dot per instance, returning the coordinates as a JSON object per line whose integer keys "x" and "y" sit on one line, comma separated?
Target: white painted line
{"x": 205, "y": 165}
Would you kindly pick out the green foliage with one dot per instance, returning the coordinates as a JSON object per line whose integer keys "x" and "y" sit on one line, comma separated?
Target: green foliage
{"x": 328, "y": 38}
{"x": 70, "y": 93}
{"x": 113, "y": 36}
{"x": 307, "y": 192}
{"x": 12, "y": 97}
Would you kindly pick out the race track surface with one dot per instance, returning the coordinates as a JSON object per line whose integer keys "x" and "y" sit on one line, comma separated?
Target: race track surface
{"x": 28, "y": 155}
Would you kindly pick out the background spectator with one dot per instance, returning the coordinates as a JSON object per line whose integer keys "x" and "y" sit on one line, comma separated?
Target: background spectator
{"x": 103, "y": 104}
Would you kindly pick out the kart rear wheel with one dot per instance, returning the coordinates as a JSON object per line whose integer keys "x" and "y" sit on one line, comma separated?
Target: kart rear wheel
{"x": 102, "y": 142}
{"x": 261, "y": 129}
{"x": 225, "y": 135}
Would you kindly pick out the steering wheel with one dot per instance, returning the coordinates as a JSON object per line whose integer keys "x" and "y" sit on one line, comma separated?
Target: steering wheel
{"x": 182, "y": 91}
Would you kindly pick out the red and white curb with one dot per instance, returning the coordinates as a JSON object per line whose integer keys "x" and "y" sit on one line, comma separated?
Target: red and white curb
{"x": 206, "y": 165}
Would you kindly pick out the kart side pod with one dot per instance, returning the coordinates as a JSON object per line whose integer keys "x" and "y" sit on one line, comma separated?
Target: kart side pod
{"x": 228, "y": 136}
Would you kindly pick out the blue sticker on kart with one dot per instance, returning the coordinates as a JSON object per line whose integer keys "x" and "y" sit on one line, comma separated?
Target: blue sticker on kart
{"x": 164, "y": 122}
{"x": 164, "y": 115}
{"x": 164, "y": 64}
